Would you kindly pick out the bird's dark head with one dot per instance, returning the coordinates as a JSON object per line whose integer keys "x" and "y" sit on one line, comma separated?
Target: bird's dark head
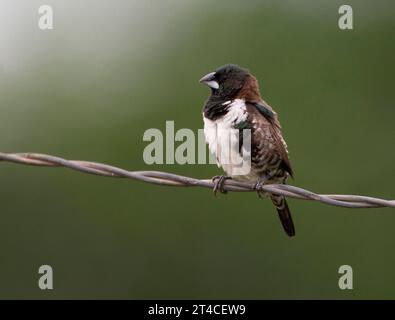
{"x": 226, "y": 81}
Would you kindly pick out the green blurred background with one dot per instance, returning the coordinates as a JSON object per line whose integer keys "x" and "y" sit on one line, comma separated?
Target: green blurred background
{"x": 110, "y": 70}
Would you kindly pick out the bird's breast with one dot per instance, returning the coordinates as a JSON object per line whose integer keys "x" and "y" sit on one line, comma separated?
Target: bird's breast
{"x": 222, "y": 136}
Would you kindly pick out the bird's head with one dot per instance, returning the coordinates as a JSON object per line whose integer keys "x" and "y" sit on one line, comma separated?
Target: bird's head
{"x": 226, "y": 81}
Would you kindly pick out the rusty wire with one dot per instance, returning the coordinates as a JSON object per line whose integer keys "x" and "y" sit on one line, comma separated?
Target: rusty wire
{"x": 170, "y": 179}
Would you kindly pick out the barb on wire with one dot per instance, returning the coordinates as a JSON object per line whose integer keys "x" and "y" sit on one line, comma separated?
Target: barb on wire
{"x": 170, "y": 179}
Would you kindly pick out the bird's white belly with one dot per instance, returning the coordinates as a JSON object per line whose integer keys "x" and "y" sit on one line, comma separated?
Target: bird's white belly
{"x": 223, "y": 141}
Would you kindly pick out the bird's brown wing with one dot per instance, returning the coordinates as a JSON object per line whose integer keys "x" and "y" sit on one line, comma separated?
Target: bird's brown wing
{"x": 268, "y": 129}
{"x": 268, "y": 146}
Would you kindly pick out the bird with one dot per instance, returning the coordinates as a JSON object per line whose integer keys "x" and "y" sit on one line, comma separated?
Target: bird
{"x": 235, "y": 104}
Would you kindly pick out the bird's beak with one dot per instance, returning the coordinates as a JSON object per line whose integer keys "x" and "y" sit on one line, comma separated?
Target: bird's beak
{"x": 209, "y": 80}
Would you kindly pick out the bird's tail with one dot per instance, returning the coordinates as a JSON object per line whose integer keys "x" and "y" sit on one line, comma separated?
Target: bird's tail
{"x": 284, "y": 213}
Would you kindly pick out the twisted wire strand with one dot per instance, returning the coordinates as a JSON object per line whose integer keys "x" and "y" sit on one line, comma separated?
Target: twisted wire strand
{"x": 170, "y": 179}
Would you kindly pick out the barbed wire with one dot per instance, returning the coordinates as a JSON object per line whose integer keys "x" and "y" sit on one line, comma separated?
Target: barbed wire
{"x": 170, "y": 179}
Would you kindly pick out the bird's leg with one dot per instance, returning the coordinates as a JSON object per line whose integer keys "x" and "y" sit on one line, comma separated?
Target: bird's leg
{"x": 219, "y": 184}
{"x": 258, "y": 187}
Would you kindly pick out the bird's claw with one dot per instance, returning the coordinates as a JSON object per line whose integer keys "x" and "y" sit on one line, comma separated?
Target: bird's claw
{"x": 258, "y": 187}
{"x": 219, "y": 184}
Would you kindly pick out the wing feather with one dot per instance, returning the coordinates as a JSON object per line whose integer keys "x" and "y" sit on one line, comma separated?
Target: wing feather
{"x": 267, "y": 121}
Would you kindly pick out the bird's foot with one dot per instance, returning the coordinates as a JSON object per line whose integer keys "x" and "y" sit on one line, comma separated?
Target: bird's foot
{"x": 219, "y": 184}
{"x": 258, "y": 187}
